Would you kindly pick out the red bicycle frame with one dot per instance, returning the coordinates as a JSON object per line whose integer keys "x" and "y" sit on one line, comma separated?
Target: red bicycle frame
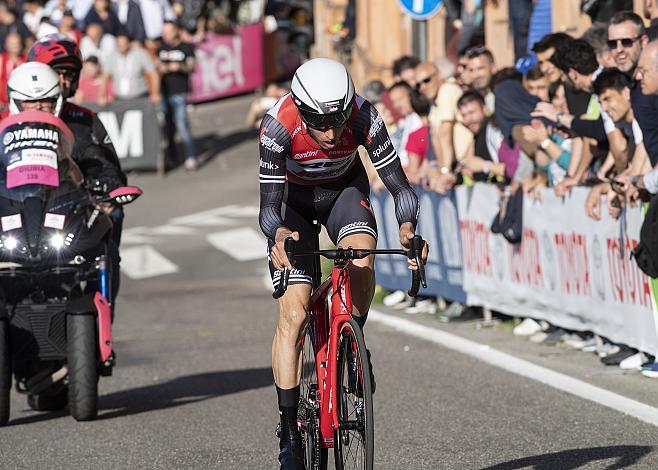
{"x": 326, "y": 329}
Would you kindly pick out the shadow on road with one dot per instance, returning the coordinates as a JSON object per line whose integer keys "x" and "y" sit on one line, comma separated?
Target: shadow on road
{"x": 176, "y": 392}
{"x": 209, "y": 146}
{"x": 626, "y": 457}
{"x": 183, "y": 390}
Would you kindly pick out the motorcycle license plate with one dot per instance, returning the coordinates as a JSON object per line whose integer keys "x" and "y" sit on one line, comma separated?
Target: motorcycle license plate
{"x": 33, "y": 166}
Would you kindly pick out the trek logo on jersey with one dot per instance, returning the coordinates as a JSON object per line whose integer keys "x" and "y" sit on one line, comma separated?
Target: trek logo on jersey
{"x": 269, "y": 142}
{"x": 296, "y": 131}
{"x": 269, "y": 165}
{"x": 310, "y": 153}
{"x": 380, "y": 148}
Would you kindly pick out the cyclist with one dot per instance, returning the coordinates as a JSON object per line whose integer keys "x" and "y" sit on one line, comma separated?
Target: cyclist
{"x": 310, "y": 170}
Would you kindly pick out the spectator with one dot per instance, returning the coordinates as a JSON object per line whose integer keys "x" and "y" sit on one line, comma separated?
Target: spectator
{"x": 94, "y": 86}
{"x": 373, "y": 91}
{"x": 175, "y": 64}
{"x": 404, "y": 70}
{"x": 68, "y": 27}
{"x": 9, "y": 22}
{"x": 651, "y": 13}
{"x": 132, "y": 71}
{"x": 130, "y": 17}
{"x": 481, "y": 159}
{"x": 155, "y": 13}
{"x": 418, "y": 143}
{"x": 480, "y": 68}
{"x": 519, "y": 15}
{"x": 428, "y": 80}
{"x": 544, "y": 50}
{"x": 597, "y": 37}
{"x": 191, "y": 15}
{"x": 12, "y": 57}
{"x": 46, "y": 28}
{"x": 54, "y": 9}
{"x": 536, "y": 83}
{"x": 462, "y": 78}
{"x": 400, "y": 94}
{"x": 260, "y": 106}
{"x": 32, "y": 13}
{"x": 95, "y": 43}
{"x": 102, "y": 14}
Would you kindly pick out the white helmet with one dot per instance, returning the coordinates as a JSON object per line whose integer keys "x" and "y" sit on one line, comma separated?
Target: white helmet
{"x": 323, "y": 92}
{"x": 33, "y": 81}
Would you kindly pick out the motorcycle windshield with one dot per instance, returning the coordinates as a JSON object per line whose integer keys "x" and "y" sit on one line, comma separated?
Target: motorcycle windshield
{"x": 35, "y": 155}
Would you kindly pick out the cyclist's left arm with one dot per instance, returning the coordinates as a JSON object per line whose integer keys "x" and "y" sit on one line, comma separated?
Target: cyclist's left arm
{"x": 377, "y": 142}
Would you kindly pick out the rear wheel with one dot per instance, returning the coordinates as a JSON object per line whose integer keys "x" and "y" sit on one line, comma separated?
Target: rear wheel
{"x": 5, "y": 372}
{"x": 315, "y": 453}
{"x": 83, "y": 373}
{"x": 355, "y": 437}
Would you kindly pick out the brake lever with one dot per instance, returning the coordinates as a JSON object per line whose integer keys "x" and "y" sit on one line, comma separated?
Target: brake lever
{"x": 417, "y": 276}
{"x": 289, "y": 246}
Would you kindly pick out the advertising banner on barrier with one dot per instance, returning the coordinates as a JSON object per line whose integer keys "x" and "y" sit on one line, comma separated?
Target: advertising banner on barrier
{"x": 228, "y": 64}
{"x": 439, "y": 225}
{"x": 135, "y": 132}
{"x": 570, "y": 270}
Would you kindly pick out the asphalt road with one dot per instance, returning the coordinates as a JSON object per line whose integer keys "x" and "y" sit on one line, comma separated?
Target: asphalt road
{"x": 193, "y": 388}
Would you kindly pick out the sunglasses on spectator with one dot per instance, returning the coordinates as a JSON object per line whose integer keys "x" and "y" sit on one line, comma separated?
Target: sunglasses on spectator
{"x": 626, "y": 43}
{"x": 475, "y": 51}
{"x": 424, "y": 81}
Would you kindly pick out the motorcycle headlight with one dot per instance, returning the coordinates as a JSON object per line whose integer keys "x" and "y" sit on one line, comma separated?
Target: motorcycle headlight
{"x": 57, "y": 241}
{"x": 10, "y": 243}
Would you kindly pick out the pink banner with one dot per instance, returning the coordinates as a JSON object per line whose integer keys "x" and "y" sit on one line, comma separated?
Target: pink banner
{"x": 228, "y": 64}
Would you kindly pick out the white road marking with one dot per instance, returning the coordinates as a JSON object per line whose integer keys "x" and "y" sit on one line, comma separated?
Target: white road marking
{"x": 218, "y": 216}
{"x": 136, "y": 236}
{"x": 242, "y": 244}
{"x": 141, "y": 262}
{"x": 645, "y": 413}
{"x": 172, "y": 230}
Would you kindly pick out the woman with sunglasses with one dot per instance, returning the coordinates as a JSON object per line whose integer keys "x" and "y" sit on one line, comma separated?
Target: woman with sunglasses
{"x": 310, "y": 170}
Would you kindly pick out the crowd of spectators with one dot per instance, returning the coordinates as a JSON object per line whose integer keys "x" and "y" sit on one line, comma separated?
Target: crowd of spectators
{"x": 131, "y": 49}
{"x": 581, "y": 112}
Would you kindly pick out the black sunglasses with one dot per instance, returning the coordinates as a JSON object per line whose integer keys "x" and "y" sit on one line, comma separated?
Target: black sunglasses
{"x": 626, "y": 43}
{"x": 424, "y": 81}
{"x": 324, "y": 122}
{"x": 475, "y": 51}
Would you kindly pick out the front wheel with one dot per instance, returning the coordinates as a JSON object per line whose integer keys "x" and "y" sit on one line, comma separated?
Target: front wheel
{"x": 354, "y": 440}
{"x": 5, "y": 372}
{"x": 83, "y": 373}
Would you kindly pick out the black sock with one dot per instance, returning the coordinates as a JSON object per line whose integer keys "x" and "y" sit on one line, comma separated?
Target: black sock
{"x": 288, "y": 402}
{"x": 361, "y": 321}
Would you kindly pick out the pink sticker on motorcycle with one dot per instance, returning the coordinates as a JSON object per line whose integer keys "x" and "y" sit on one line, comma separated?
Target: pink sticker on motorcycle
{"x": 33, "y": 166}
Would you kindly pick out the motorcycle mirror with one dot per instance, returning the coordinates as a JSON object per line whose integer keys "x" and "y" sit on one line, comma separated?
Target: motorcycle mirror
{"x": 123, "y": 195}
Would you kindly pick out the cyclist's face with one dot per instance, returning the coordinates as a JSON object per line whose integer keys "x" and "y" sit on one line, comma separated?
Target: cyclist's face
{"x": 327, "y": 139}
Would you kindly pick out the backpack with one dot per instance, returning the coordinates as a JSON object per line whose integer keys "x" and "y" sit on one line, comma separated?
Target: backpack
{"x": 509, "y": 221}
{"x": 646, "y": 252}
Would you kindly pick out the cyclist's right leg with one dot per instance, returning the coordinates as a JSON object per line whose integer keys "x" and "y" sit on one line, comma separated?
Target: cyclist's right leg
{"x": 286, "y": 346}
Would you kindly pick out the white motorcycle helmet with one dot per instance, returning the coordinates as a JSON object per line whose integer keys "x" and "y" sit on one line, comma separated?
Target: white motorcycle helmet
{"x": 323, "y": 92}
{"x": 33, "y": 81}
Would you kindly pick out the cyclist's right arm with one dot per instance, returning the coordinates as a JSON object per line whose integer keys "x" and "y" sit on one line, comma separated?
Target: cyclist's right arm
{"x": 275, "y": 146}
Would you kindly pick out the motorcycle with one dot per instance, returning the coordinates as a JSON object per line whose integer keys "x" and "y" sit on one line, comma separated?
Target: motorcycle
{"x": 55, "y": 269}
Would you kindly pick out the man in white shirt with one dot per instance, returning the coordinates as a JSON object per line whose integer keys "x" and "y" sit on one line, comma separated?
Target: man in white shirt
{"x": 132, "y": 71}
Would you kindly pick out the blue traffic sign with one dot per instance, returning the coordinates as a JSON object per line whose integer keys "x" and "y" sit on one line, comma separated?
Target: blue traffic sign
{"x": 420, "y": 9}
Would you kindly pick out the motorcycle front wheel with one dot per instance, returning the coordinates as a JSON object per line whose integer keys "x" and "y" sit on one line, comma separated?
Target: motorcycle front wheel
{"x": 82, "y": 363}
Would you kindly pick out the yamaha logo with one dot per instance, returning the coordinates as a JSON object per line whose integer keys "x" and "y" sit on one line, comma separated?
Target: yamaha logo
{"x": 8, "y": 138}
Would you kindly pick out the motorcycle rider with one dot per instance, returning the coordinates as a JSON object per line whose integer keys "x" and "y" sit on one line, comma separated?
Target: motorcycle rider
{"x": 35, "y": 86}
{"x": 63, "y": 55}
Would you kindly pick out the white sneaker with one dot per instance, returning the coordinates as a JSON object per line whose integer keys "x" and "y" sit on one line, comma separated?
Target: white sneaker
{"x": 539, "y": 337}
{"x": 589, "y": 345}
{"x": 608, "y": 349}
{"x": 634, "y": 362}
{"x": 394, "y": 298}
{"x": 422, "y": 306}
{"x": 527, "y": 327}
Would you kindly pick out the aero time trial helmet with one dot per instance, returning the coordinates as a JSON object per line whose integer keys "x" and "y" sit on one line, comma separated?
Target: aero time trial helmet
{"x": 33, "y": 81}
{"x": 323, "y": 92}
